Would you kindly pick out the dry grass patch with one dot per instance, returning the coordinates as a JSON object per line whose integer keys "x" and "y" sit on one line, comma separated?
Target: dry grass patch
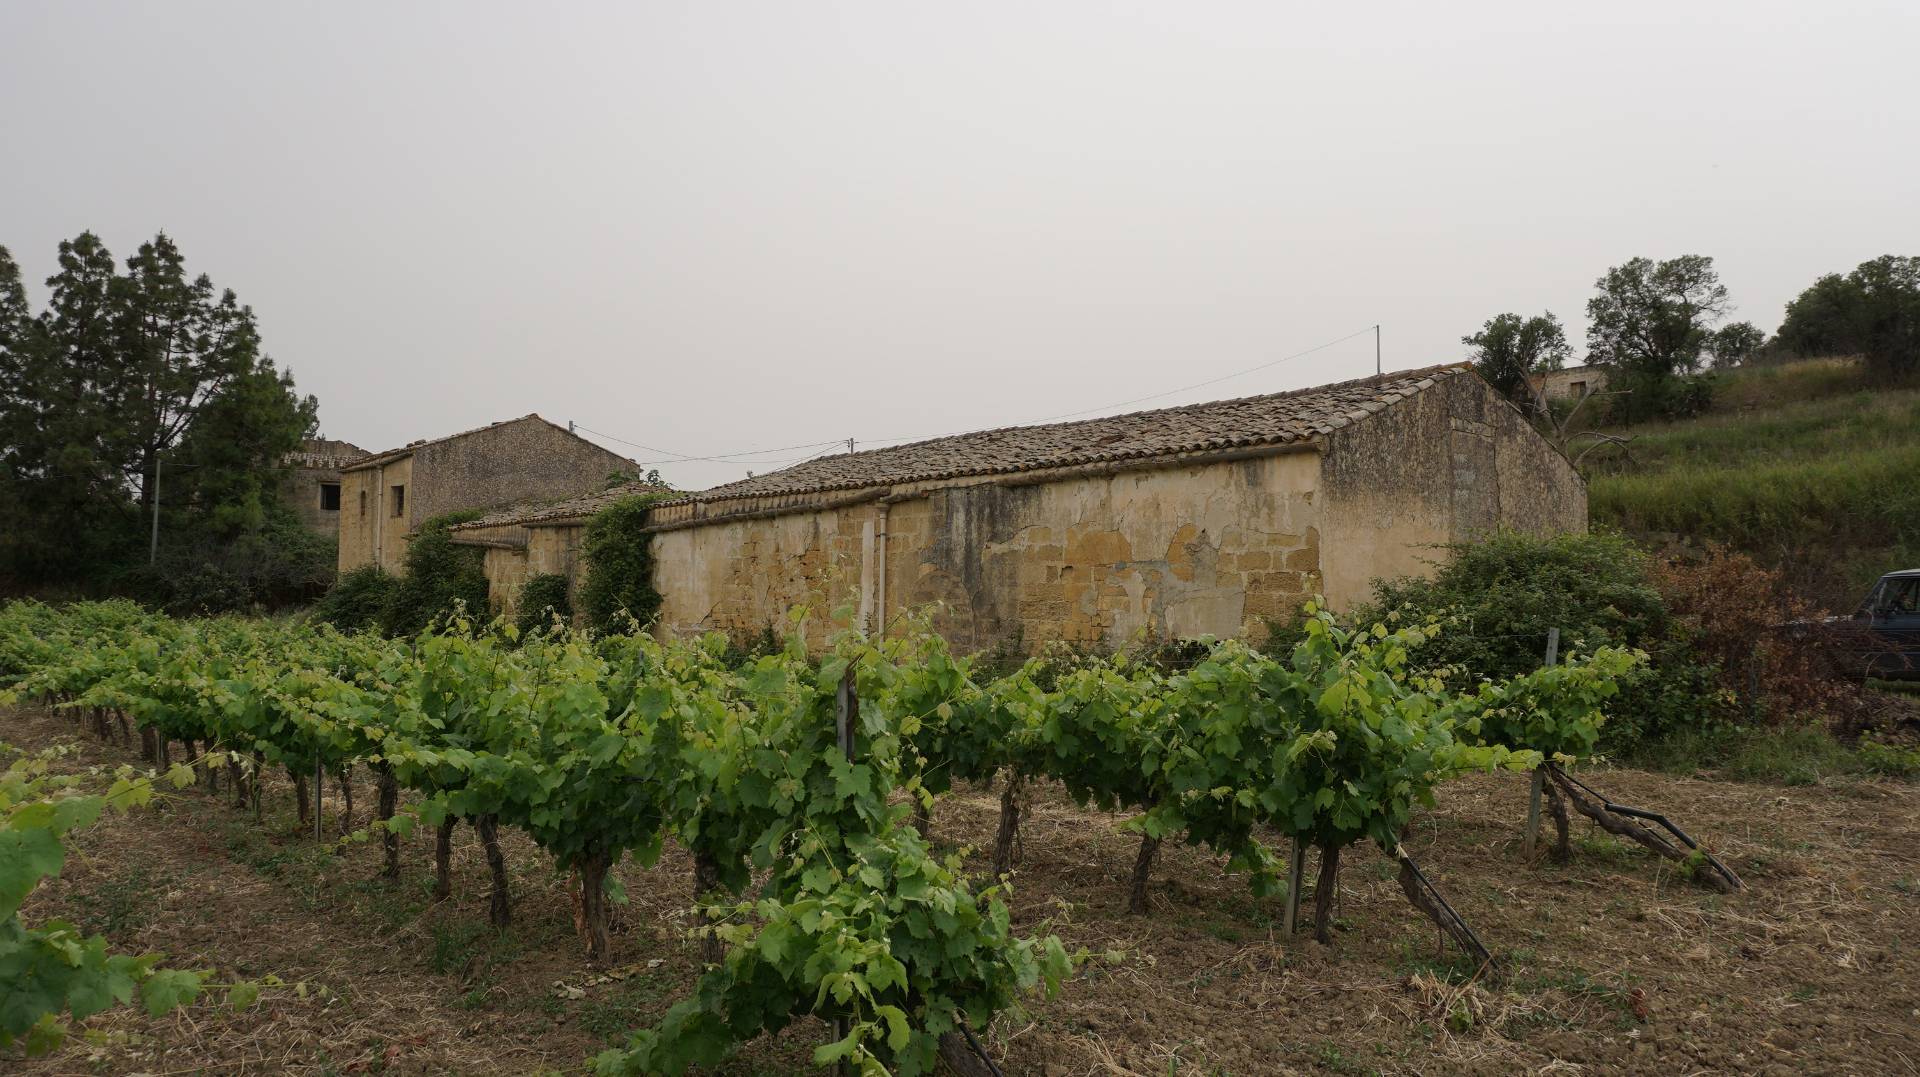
{"x": 1615, "y": 963}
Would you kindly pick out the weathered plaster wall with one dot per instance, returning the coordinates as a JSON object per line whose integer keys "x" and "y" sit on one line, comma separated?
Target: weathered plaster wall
{"x": 369, "y": 532}
{"x": 555, "y": 549}
{"x": 300, "y": 491}
{"x": 1205, "y": 550}
{"x": 740, "y": 576}
{"x": 1200, "y": 550}
{"x": 506, "y": 569}
{"x": 317, "y": 462}
{"x": 514, "y": 553}
{"x": 1453, "y": 463}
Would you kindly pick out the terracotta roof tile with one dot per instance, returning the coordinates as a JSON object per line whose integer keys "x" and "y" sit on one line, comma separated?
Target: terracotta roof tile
{"x": 567, "y": 508}
{"x": 323, "y": 454}
{"x": 1273, "y": 419}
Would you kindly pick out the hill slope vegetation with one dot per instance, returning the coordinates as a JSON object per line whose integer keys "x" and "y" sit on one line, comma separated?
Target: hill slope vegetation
{"x": 1807, "y": 467}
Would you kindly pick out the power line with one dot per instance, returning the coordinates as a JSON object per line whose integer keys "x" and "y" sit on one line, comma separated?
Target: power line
{"x": 1215, "y": 381}
{"x": 742, "y": 457}
{"x": 670, "y": 457}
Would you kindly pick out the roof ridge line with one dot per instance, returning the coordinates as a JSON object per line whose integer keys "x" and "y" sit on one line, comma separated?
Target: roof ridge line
{"x": 1334, "y": 417}
{"x": 1352, "y": 383}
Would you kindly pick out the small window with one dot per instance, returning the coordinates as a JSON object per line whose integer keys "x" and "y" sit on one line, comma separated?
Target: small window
{"x": 1579, "y": 388}
{"x": 329, "y": 497}
{"x": 399, "y": 501}
{"x": 363, "y": 502}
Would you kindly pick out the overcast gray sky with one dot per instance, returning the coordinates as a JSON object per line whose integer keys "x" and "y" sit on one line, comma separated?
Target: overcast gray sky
{"x": 719, "y": 227}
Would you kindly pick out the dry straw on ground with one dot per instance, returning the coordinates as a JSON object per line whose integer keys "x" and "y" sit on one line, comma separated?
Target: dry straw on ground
{"x": 1616, "y": 965}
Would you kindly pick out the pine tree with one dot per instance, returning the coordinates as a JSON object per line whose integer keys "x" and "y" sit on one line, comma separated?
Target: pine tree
{"x": 125, "y": 380}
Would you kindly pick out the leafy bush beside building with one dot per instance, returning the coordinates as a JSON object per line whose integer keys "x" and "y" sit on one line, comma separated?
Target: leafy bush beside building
{"x": 441, "y": 578}
{"x": 1499, "y": 599}
{"x": 542, "y": 598}
{"x": 619, "y": 556}
{"x": 358, "y": 599}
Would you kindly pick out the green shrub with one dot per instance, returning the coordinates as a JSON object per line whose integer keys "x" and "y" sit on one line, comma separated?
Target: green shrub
{"x": 619, "y": 556}
{"x": 1889, "y": 760}
{"x": 744, "y": 647}
{"x": 274, "y": 565}
{"x": 207, "y": 590}
{"x": 358, "y": 599}
{"x": 1498, "y": 600}
{"x": 441, "y": 576}
{"x": 1501, "y": 596}
{"x": 1645, "y": 398}
{"x": 542, "y": 598}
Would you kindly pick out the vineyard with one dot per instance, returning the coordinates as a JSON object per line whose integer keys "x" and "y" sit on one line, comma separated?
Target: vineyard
{"x": 801, "y": 791}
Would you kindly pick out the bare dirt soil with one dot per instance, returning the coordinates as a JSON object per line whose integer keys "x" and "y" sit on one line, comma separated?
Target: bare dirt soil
{"x": 1614, "y": 963}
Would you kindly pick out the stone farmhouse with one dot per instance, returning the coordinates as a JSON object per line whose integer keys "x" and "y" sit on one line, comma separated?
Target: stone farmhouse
{"x": 311, "y": 482}
{"x": 385, "y": 497}
{"x": 538, "y": 539}
{"x": 1200, "y": 520}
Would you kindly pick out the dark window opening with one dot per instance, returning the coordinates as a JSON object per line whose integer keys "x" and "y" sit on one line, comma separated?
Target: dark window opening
{"x": 330, "y": 497}
{"x": 1899, "y": 598}
{"x": 399, "y": 500}
{"x": 363, "y": 502}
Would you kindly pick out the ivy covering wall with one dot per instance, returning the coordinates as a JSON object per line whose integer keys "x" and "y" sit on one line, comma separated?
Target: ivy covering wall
{"x": 619, "y": 557}
{"x": 440, "y": 576}
{"x": 542, "y": 598}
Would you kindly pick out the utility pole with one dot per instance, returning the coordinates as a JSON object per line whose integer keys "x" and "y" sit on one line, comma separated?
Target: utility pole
{"x": 1376, "y": 350}
{"x": 153, "y": 546}
{"x": 849, "y": 445}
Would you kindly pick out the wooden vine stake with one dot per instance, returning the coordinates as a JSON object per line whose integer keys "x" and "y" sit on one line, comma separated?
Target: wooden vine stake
{"x": 1009, "y": 833}
{"x": 1296, "y": 878}
{"x": 1426, "y": 897}
{"x": 319, "y": 794}
{"x": 1632, "y": 823}
{"x": 846, "y": 705}
{"x": 1531, "y": 844}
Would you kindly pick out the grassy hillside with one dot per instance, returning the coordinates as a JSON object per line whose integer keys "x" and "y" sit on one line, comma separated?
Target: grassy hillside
{"x": 1802, "y": 466}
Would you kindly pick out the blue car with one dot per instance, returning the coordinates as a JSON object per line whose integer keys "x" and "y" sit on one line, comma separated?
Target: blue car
{"x": 1891, "y": 619}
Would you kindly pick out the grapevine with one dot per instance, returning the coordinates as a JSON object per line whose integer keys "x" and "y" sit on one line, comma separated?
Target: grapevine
{"x": 818, "y": 891}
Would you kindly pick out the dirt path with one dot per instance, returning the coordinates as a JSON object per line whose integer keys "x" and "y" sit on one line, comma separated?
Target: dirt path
{"x": 1615, "y": 965}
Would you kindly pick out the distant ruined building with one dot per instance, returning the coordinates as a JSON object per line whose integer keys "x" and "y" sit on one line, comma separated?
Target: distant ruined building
{"x": 1574, "y": 383}
{"x": 311, "y": 484}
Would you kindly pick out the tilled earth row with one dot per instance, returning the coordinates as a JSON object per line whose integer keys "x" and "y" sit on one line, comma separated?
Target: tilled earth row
{"x": 1614, "y": 963}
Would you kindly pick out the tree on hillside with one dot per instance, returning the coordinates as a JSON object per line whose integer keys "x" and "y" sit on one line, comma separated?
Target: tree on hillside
{"x": 1817, "y": 319}
{"x": 1650, "y": 323}
{"x": 1873, "y": 311}
{"x": 1509, "y": 349}
{"x": 125, "y": 378}
{"x": 1735, "y": 343}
